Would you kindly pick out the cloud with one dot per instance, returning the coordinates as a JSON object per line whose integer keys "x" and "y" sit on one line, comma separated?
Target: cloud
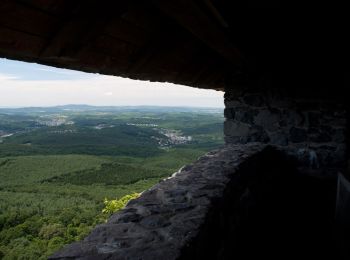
{"x": 6, "y": 77}
{"x": 95, "y": 89}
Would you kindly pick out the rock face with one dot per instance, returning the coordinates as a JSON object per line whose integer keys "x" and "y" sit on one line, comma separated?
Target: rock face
{"x": 313, "y": 129}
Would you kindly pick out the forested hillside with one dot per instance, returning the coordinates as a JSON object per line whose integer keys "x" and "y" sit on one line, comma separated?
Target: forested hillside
{"x": 61, "y": 166}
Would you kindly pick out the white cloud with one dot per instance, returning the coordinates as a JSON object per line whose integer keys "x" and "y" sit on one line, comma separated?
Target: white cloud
{"x": 7, "y": 77}
{"x": 102, "y": 90}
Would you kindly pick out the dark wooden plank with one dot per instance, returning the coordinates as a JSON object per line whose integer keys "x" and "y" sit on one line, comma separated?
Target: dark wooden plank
{"x": 113, "y": 47}
{"x": 52, "y": 7}
{"x": 20, "y": 43}
{"x": 192, "y": 18}
{"x": 21, "y": 18}
{"x": 143, "y": 16}
{"x": 126, "y": 31}
{"x": 82, "y": 28}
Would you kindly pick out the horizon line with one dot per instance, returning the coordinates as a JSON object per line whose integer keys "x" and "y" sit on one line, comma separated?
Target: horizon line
{"x": 50, "y": 106}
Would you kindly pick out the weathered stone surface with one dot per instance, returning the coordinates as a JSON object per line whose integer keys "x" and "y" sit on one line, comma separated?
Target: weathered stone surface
{"x": 314, "y": 119}
{"x": 268, "y": 120}
{"x": 258, "y": 134}
{"x": 235, "y": 128}
{"x": 255, "y": 100}
{"x": 174, "y": 219}
{"x": 298, "y": 135}
{"x": 339, "y": 135}
{"x": 294, "y": 118}
{"x": 309, "y": 128}
{"x": 320, "y": 134}
{"x": 245, "y": 116}
{"x": 229, "y": 113}
{"x": 232, "y": 103}
{"x": 279, "y": 138}
{"x": 167, "y": 217}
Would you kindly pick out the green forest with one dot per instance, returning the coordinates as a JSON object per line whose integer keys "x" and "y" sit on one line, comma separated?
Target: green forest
{"x": 63, "y": 170}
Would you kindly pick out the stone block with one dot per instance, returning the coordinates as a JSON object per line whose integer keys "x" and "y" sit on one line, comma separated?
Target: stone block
{"x": 268, "y": 120}
{"x": 294, "y": 118}
{"x": 319, "y": 135}
{"x": 229, "y": 113}
{"x": 246, "y": 115}
{"x": 297, "y": 135}
{"x": 314, "y": 119}
{"x": 255, "y": 100}
{"x": 234, "y": 128}
{"x": 339, "y": 135}
{"x": 233, "y": 103}
{"x": 278, "y": 138}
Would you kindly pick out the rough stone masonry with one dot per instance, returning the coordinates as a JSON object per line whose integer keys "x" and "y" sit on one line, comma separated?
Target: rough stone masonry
{"x": 169, "y": 220}
{"x": 165, "y": 219}
{"x": 311, "y": 129}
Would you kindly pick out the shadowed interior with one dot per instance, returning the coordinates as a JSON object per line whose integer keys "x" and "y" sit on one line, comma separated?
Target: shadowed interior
{"x": 271, "y": 210}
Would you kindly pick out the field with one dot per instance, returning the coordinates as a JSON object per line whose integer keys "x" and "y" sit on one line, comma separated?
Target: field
{"x": 57, "y": 165}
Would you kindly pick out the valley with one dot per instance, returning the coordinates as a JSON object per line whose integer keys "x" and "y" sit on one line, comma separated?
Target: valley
{"x": 59, "y": 164}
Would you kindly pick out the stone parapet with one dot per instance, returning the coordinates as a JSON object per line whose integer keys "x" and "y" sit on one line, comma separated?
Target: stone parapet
{"x": 163, "y": 221}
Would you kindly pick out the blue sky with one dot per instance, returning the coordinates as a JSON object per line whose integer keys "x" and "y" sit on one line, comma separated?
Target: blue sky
{"x": 28, "y": 84}
{"x": 34, "y": 71}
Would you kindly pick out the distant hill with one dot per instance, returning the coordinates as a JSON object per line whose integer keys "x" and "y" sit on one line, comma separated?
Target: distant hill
{"x": 83, "y": 107}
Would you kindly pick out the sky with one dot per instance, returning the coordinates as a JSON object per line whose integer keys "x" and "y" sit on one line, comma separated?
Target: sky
{"x": 25, "y": 84}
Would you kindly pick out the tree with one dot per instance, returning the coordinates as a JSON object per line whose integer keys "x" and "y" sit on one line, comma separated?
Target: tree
{"x": 112, "y": 206}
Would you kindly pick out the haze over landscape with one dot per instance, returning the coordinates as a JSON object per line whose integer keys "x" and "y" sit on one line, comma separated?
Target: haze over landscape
{"x": 28, "y": 84}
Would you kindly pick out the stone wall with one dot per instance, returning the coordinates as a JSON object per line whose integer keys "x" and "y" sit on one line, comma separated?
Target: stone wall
{"x": 229, "y": 204}
{"x": 166, "y": 219}
{"x": 223, "y": 205}
{"x": 311, "y": 129}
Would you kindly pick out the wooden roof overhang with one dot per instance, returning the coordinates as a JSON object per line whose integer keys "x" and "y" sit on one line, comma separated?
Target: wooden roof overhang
{"x": 200, "y": 43}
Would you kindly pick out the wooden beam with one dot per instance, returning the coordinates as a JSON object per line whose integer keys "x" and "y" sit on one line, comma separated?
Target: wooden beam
{"x": 82, "y": 28}
{"x": 187, "y": 14}
{"x": 25, "y": 19}
{"x": 216, "y": 13}
{"x": 16, "y": 44}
